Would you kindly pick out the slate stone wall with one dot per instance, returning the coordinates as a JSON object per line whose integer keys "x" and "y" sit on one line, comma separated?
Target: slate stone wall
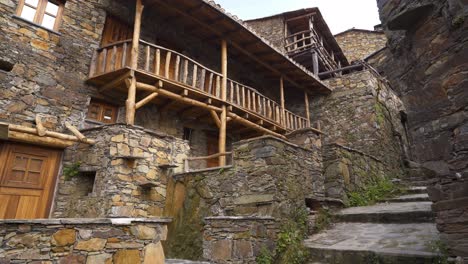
{"x": 347, "y": 169}
{"x": 83, "y": 241}
{"x": 238, "y": 239}
{"x": 426, "y": 63}
{"x": 269, "y": 177}
{"x": 358, "y": 44}
{"x": 129, "y": 182}
{"x": 363, "y": 113}
{"x": 272, "y": 29}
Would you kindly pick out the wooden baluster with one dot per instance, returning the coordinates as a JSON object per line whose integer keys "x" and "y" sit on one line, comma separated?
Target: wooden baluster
{"x": 185, "y": 71}
{"x": 113, "y": 58}
{"x": 124, "y": 55}
{"x": 157, "y": 61}
{"x": 104, "y": 61}
{"x": 237, "y": 93}
{"x": 203, "y": 76}
{"x": 210, "y": 83}
{"x": 270, "y": 112}
{"x": 231, "y": 94}
{"x": 278, "y": 119}
{"x": 249, "y": 99}
{"x": 218, "y": 87}
{"x": 168, "y": 64}
{"x": 194, "y": 76}
{"x": 254, "y": 101}
{"x": 243, "y": 96}
{"x": 147, "y": 61}
{"x": 177, "y": 68}
{"x": 264, "y": 106}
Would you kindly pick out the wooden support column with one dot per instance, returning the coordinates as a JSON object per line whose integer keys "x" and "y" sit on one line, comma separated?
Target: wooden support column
{"x": 306, "y": 100}
{"x": 315, "y": 63}
{"x": 283, "y": 109}
{"x": 222, "y": 128}
{"x": 130, "y": 104}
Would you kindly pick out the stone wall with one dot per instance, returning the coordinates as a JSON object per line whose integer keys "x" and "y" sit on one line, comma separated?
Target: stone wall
{"x": 269, "y": 177}
{"x": 64, "y": 241}
{"x": 363, "y": 113}
{"x": 130, "y": 176}
{"x": 49, "y": 67}
{"x": 357, "y": 44}
{"x": 347, "y": 169}
{"x": 238, "y": 239}
{"x": 272, "y": 29}
{"x": 426, "y": 63}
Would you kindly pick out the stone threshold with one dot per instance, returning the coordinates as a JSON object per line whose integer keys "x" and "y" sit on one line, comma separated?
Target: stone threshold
{"x": 239, "y": 218}
{"x": 87, "y": 221}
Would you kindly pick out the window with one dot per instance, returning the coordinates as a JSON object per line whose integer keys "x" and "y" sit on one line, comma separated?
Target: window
{"x": 46, "y": 13}
{"x": 102, "y": 112}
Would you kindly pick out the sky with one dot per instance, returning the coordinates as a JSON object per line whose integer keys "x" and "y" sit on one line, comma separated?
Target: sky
{"x": 340, "y": 15}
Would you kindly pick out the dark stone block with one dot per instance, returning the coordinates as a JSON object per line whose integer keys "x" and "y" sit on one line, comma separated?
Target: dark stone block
{"x": 410, "y": 17}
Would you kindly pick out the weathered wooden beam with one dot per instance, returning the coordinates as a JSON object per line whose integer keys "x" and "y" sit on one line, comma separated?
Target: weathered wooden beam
{"x": 222, "y": 126}
{"x": 38, "y": 140}
{"x": 248, "y": 123}
{"x": 115, "y": 82}
{"x": 306, "y": 103}
{"x": 282, "y": 101}
{"x": 216, "y": 119}
{"x": 145, "y": 100}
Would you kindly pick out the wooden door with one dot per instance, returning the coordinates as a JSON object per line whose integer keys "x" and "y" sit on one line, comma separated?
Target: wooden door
{"x": 212, "y": 148}
{"x": 27, "y": 180}
{"x": 116, "y": 31}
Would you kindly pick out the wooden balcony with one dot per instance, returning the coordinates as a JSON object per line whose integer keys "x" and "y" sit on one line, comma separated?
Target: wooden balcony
{"x": 301, "y": 45}
{"x": 185, "y": 86}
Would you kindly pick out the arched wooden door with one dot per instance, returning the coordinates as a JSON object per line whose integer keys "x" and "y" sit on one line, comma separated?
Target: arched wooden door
{"x": 27, "y": 180}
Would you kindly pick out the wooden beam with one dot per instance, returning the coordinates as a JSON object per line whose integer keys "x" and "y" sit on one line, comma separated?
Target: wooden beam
{"x": 130, "y": 103}
{"x": 178, "y": 97}
{"x": 283, "y": 108}
{"x": 216, "y": 119}
{"x": 315, "y": 63}
{"x": 115, "y": 82}
{"x": 145, "y": 100}
{"x": 248, "y": 123}
{"x": 306, "y": 101}
{"x": 75, "y": 132}
{"x": 41, "y": 130}
{"x": 222, "y": 126}
{"x": 38, "y": 140}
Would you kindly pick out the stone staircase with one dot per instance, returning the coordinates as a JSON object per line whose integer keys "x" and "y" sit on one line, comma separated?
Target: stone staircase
{"x": 399, "y": 230}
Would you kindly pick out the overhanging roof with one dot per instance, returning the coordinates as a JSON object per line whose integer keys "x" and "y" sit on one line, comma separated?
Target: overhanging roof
{"x": 211, "y": 22}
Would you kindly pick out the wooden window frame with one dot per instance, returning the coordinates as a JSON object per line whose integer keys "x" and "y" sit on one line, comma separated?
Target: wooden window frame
{"x": 41, "y": 12}
{"x": 103, "y": 105}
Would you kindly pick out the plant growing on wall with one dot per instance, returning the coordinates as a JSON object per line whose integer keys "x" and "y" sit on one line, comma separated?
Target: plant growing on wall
{"x": 72, "y": 170}
{"x": 289, "y": 248}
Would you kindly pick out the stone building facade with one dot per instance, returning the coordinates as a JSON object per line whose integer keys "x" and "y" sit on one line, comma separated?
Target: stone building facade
{"x": 358, "y": 44}
{"x": 426, "y": 63}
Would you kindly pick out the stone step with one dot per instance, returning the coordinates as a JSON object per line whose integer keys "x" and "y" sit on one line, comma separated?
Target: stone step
{"x": 407, "y": 212}
{"x": 417, "y": 189}
{"x": 182, "y": 261}
{"x": 349, "y": 243}
{"x": 419, "y": 197}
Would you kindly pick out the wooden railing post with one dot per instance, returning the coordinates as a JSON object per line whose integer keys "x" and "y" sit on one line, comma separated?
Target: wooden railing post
{"x": 222, "y": 129}
{"x": 306, "y": 99}
{"x": 130, "y": 104}
{"x": 283, "y": 113}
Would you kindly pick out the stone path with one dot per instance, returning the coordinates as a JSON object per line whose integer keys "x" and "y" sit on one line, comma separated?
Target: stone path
{"x": 399, "y": 232}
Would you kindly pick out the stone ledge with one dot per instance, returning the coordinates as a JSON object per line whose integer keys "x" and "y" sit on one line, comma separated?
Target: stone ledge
{"x": 239, "y": 218}
{"x": 183, "y": 174}
{"x": 87, "y": 221}
{"x": 319, "y": 132}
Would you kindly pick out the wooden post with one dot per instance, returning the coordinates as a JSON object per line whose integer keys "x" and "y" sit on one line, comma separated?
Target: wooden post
{"x": 283, "y": 115}
{"x": 306, "y": 98}
{"x": 130, "y": 104}
{"x": 222, "y": 128}
{"x": 315, "y": 64}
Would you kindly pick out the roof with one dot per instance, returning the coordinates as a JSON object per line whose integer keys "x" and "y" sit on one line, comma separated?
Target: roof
{"x": 322, "y": 27}
{"x": 360, "y": 30}
{"x": 211, "y": 22}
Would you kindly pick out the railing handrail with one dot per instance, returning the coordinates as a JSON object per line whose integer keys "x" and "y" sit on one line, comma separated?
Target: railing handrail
{"x": 217, "y": 155}
{"x": 114, "y": 44}
{"x": 179, "y": 54}
{"x": 254, "y": 90}
{"x": 299, "y": 33}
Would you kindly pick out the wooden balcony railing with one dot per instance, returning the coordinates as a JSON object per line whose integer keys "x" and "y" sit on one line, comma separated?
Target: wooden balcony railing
{"x": 171, "y": 65}
{"x": 309, "y": 39}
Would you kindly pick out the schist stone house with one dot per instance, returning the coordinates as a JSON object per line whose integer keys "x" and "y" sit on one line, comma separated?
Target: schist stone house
{"x": 121, "y": 120}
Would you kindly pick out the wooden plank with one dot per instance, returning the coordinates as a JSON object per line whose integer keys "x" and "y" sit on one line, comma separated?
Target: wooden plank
{"x": 177, "y": 66}
{"x": 124, "y": 55}
{"x": 306, "y": 101}
{"x": 194, "y": 76}
{"x": 104, "y": 60}
{"x": 185, "y": 71}
{"x": 113, "y": 58}
{"x": 202, "y": 80}
{"x": 115, "y": 82}
{"x": 315, "y": 63}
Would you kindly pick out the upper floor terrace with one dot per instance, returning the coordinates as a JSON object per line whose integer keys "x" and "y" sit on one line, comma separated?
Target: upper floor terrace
{"x": 193, "y": 59}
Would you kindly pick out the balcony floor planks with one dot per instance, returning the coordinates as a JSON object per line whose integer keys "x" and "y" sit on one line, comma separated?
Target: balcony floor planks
{"x": 120, "y": 92}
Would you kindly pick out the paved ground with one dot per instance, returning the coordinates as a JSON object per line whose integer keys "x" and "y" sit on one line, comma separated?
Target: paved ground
{"x": 408, "y": 239}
